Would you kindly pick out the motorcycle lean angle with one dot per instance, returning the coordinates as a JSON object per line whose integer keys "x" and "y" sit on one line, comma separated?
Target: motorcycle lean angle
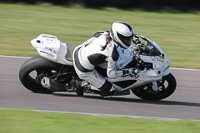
{"x": 53, "y": 70}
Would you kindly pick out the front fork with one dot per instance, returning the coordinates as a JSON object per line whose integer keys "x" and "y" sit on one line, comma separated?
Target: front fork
{"x": 155, "y": 86}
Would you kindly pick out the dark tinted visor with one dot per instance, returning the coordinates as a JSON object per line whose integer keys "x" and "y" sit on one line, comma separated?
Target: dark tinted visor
{"x": 126, "y": 40}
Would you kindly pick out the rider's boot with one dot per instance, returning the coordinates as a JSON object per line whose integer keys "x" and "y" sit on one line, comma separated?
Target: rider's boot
{"x": 108, "y": 94}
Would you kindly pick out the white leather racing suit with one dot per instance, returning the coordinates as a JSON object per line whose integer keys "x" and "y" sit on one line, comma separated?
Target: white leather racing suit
{"x": 89, "y": 55}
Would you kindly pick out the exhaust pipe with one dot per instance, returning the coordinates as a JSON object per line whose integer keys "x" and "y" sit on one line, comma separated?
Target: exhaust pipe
{"x": 53, "y": 85}
{"x": 45, "y": 82}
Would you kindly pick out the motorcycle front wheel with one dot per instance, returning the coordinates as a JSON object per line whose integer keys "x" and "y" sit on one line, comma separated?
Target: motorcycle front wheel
{"x": 33, "y": 70}
{"x": 166, "y": 85}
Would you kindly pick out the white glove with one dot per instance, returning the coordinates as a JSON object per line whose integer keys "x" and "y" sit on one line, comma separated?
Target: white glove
{"x": 136, "y": 39}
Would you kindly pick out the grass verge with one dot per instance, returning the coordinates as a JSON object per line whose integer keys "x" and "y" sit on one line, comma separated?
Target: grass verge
{"x": 27, "y": 121}
{"x": 177, "y": 33}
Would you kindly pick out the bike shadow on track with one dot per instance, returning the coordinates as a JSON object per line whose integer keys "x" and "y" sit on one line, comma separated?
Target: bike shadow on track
{"x": 134, "y": 100}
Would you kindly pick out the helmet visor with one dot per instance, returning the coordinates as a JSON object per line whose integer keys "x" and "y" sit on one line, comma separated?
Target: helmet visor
{"x": 126, "y": 40}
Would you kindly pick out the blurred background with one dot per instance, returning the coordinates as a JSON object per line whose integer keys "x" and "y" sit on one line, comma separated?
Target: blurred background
{"x": 183, "y": 5}
{"x": 173, "y": 24}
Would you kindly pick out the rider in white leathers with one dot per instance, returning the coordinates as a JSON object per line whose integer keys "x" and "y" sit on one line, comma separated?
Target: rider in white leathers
{"x": 103, "y": 49}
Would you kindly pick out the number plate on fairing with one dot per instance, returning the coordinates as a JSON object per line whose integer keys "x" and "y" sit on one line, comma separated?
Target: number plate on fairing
{"x": 161, "y": 59}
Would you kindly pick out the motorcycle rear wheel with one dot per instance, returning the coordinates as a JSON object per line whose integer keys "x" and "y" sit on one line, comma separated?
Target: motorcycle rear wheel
{"x": 166, "y": 85}
{"x": 33, "y": 70}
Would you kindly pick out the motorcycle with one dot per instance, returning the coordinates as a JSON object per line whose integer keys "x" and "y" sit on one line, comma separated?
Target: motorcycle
{"x": 53, "y": 70}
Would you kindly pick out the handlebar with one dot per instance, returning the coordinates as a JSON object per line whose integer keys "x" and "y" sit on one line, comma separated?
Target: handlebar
{"x": 137, "y": 41}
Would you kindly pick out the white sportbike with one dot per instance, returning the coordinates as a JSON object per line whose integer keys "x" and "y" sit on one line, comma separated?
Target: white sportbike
{"x": 53, "y": 70}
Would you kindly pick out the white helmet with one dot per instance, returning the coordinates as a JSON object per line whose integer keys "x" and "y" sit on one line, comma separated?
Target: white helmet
{"x": 122, "y": 34}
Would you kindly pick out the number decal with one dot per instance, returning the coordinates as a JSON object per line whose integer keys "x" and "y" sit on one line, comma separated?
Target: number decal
{"x": 161, "y": 59}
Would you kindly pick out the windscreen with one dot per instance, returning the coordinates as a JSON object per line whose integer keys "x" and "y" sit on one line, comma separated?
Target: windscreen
{"x": 152, "y": 50}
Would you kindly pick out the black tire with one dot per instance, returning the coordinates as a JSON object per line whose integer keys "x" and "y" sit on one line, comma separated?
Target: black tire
{"x": 42, "y": 67}
{"x": 166, "y": 85}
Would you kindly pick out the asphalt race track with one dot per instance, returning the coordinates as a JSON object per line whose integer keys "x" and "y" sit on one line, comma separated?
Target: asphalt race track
{"x": 183, "y": 104}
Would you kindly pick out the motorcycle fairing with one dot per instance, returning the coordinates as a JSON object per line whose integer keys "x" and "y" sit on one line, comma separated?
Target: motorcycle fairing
{"x": 52, "y": 48}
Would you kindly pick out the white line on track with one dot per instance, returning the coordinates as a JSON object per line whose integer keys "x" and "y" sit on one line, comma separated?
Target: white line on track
{"x": 113, "y": 115}
{"x": 20, "y": 57}
{"x": 185, "y": 69}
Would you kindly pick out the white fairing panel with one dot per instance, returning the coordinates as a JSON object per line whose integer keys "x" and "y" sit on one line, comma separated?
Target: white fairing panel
{"x": 159, "y": 66}
{"x": 52, "y": 48}
{"x": 125, "y": 57}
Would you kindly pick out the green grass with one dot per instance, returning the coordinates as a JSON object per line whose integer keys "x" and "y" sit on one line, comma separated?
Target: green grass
{"x": 177, "y": 33}
{"x": 26, "y": 121}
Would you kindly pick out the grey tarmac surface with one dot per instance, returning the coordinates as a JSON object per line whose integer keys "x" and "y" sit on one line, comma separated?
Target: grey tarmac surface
{"x": 183, "y": 104}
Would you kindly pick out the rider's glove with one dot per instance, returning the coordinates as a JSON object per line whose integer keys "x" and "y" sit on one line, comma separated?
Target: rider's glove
{"x": 136, "y": 39}
{"x": 130, "y": 72}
